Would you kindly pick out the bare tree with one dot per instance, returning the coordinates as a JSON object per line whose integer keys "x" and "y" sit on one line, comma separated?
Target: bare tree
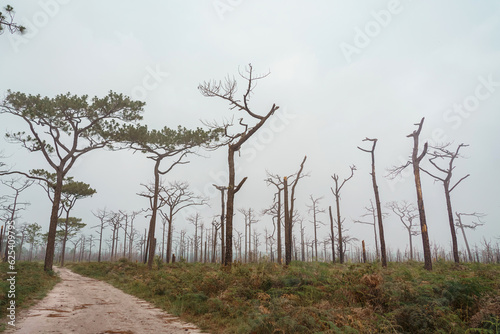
{"x": 215, "y": 228}
{"x": 406, "y": 213}
{"x": 102, "y": 215}
{"x": 227, "y": 91}
{"x": 442, "y": 153}
{"x": 315, "y": 210}
{"x": 222, "y": 190}
{"x": 377, "y": 200}
{"x": 115, "y": 220}
{"x": 249, "y": 220}
{"x": 370, "y": 211}
{"x": 416, "y": 158}
{"x": 276, "y": 209}
{"x": 336, "y": 193}
{"x": 14, "y": 206}
{"x": 332, "y": 234}
{"x": 473, "y": 225}
{"x": 289, "y": 209}
{"x": 195, "y": 220}
{"x": 176, "y": 197}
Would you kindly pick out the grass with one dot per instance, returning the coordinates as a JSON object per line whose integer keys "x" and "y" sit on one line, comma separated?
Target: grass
{"x": 317, "y": 297}
{"x": 32, "y": 284}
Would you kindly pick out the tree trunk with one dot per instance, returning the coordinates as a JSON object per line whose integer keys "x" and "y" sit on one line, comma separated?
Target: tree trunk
{"x": 423, "y": 223}
{"x": 169, "y": 236}
{"x": 152, "y": 223}
{"x": 456, "y": 257}
{"x": 332, "y": 236}
{"x": 222, "y": 246}
{"x": 471, "y": 259}
{"x": 339, "y": 225}
{"x": 288, "y": 223}
{"x": 228, "y": 259}
{"x": 51, "y": 237}
{"x": 364, "y": 251}
{"x": 379, "y": 215}
{"x": 280, "y": 261}
{"x": 100, "y": 243}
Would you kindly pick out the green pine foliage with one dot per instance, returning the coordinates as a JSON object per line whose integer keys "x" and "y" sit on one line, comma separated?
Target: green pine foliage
{"x": 316, "y": 297}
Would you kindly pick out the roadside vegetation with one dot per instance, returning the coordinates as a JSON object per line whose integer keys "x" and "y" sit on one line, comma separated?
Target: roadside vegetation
{"x": 316, "y": 297}
{"x": 32, "y": 284}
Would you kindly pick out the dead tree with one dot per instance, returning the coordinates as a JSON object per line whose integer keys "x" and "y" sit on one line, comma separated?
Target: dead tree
{"x": 289, "y": 209}
{"x": 227, "y": 91}
{"x": 115, "y": 221}
{"x": 276, "y": 209}
{"x": 215, "y": 228}
{"x": 473, "y": 225}
{"x": 373, "y": 213}
{"x": 102, "y": 215}
{"x": 175, "y": 198}
{"x": 416, "y": 158}
{"x": 315, "y": 211}
{"x": 195, "y": 221}
{"x": 336, "y": 193}
{"x": 332, "y": 234}
{"x": 222, "y": 190}
{"x": 249, "y": 220}
{"x": 377, "y": 201}
{"x": 444, "y": 154}
{"x": 406, "y": 212}
{"x": 11, "y": 209}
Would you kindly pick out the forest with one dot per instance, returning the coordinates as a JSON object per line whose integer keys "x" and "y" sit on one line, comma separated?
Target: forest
{"x": 282, "y": 203}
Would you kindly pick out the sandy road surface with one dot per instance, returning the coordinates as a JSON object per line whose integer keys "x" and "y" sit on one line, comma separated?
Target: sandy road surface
{"x": 79, "y": 304}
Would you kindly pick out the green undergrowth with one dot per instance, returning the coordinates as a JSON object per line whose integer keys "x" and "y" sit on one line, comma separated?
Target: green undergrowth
{"x": 316, "y": 297}
{"x": 31, "y": 284}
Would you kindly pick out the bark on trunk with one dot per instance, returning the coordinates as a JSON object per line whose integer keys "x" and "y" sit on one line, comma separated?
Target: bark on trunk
{"x": 228, "y": 259}
{"x": 51, "y": 237}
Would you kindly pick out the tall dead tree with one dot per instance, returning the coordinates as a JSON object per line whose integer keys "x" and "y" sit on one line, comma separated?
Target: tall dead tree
{"x": 226, "y": 90}
{"x": 373, "y": 213}
{"x": 176, "y": 197}
{"x": 336, "y": 193}
{"x": 14, "y": 206}
{"x": 406, "y": 213}
{"x": 315, "y": 211}
{"x": 195, "y": 220}
{"x": 283, "y": 184}
{"x": 249, "y": 220}
{"x": 332, "y": 234}
{"x": 473, "y": 225}
{"x": 276, "y": 209}
{"x": 377, "y": 200}
{"x": 416, "y": 158}
{"x": 222, "y": 190}
{"x": 102, "y": 215}
{"x": 442, "y": 153}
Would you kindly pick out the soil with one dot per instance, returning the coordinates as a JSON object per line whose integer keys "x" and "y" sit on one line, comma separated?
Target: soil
{"x": 80, "y": 304}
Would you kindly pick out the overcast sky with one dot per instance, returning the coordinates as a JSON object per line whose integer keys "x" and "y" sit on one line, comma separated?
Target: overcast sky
{"x": 339, "y": 70}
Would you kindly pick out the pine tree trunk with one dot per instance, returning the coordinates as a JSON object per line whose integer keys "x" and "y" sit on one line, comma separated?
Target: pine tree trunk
{"x": 51, "y": 237}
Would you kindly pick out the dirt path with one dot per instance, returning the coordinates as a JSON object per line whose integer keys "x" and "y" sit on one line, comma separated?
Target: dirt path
{"x": 84, "y": 305}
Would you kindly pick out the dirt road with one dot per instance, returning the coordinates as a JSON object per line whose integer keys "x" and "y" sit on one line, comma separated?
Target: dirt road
{"x": 83, "y": 305}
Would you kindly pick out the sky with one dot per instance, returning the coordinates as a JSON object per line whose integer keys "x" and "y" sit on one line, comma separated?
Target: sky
{"x": 339, "y": 71}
